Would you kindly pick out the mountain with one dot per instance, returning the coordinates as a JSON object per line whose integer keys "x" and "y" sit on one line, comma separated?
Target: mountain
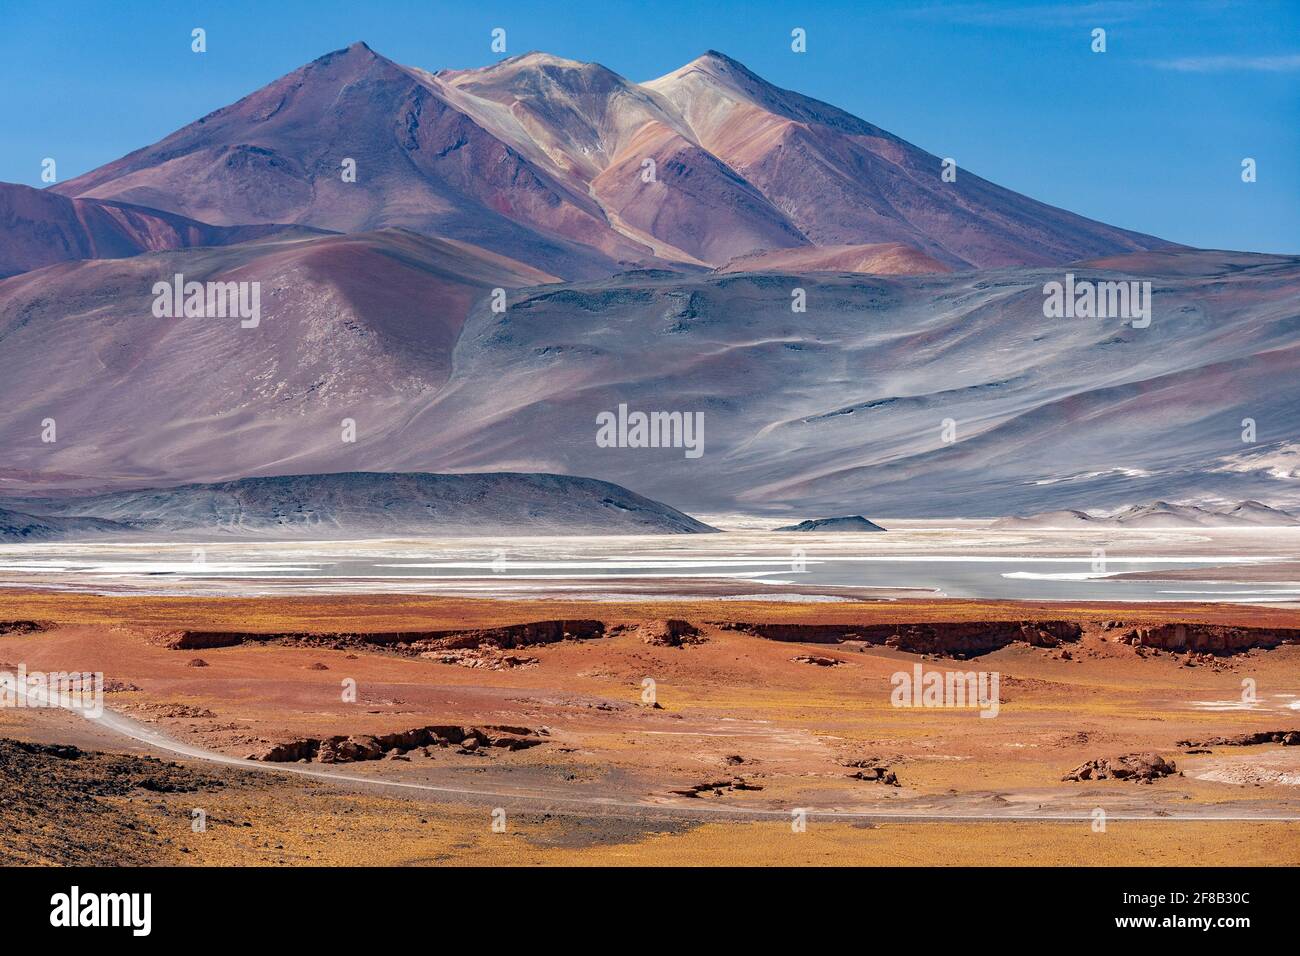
{"x": 544, "y": 160}
{"x": 912, "y": 380}
{"x": 39, "y": 227}
{"x": 850, "y": 523}
{"x": 367, "y": 504}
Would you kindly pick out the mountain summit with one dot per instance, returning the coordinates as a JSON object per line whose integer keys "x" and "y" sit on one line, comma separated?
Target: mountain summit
{"x": 580, "y": 172}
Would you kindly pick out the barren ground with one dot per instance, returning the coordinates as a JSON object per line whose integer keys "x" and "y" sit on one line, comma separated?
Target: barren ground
{"x": 609, "y": 780}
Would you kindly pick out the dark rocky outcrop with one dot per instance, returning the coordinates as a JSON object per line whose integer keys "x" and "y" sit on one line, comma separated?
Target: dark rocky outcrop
{"x": 409, "y": 642}
{"x": 1288, "y": 738}
{"x": 23, "y": 627}
{"x": 715, "y": 788}
{"x": 63, "y": 805}
{"x": 349, "y": 749}
{"x": 817, "y": 660}
{"x": 958, "y": 639}
{"x": 848, "y": 523}
{"x": 670, "y": 633}
{"x": 874, "y": 770}
{"x": 1137, "y": 768}
{"x": 1218, "y": 639}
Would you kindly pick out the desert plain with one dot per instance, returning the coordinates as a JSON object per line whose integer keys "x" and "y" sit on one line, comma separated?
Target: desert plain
{"x": 752, "y": 728}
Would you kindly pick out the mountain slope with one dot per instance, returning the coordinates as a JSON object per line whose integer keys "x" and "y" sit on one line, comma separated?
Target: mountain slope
{"x": 818, "y": 412}
{"x": 849, "y": 403}
{"x": 357, "y": 327}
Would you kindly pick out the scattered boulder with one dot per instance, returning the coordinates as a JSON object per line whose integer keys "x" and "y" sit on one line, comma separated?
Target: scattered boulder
{"x": 872, "y": 769}
{"x": 819, "y": 661}
{"x": 169, "y": 711}
{"x": 716, "y": 788}
{"x": 1137, "y": 768}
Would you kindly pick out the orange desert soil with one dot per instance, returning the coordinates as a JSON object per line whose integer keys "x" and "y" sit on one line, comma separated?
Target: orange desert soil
{"x": 655, "y": 742}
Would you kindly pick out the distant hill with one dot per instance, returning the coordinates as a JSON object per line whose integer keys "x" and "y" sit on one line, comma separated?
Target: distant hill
{"x": 17, "y": 526}
{"x": 849, "y": 523}
{"x": 1159, "y": 514}
{"x": 355, "y": 504}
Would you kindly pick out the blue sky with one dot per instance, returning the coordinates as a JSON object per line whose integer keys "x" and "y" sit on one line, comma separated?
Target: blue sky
{"x": 1148, "y": 135}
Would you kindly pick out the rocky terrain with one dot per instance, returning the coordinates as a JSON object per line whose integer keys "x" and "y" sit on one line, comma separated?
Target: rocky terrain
{"x": 952, "y": 639}
{"x": 1207, "y": 638}
{"x": 1288, "y": 738}
{"x": 63, "y": 805}
{"x": 1136, "y": 768}
{"x": 509, "y": 636}
{"x": 741, "y": 717}
{"x": 394, "y": 746}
